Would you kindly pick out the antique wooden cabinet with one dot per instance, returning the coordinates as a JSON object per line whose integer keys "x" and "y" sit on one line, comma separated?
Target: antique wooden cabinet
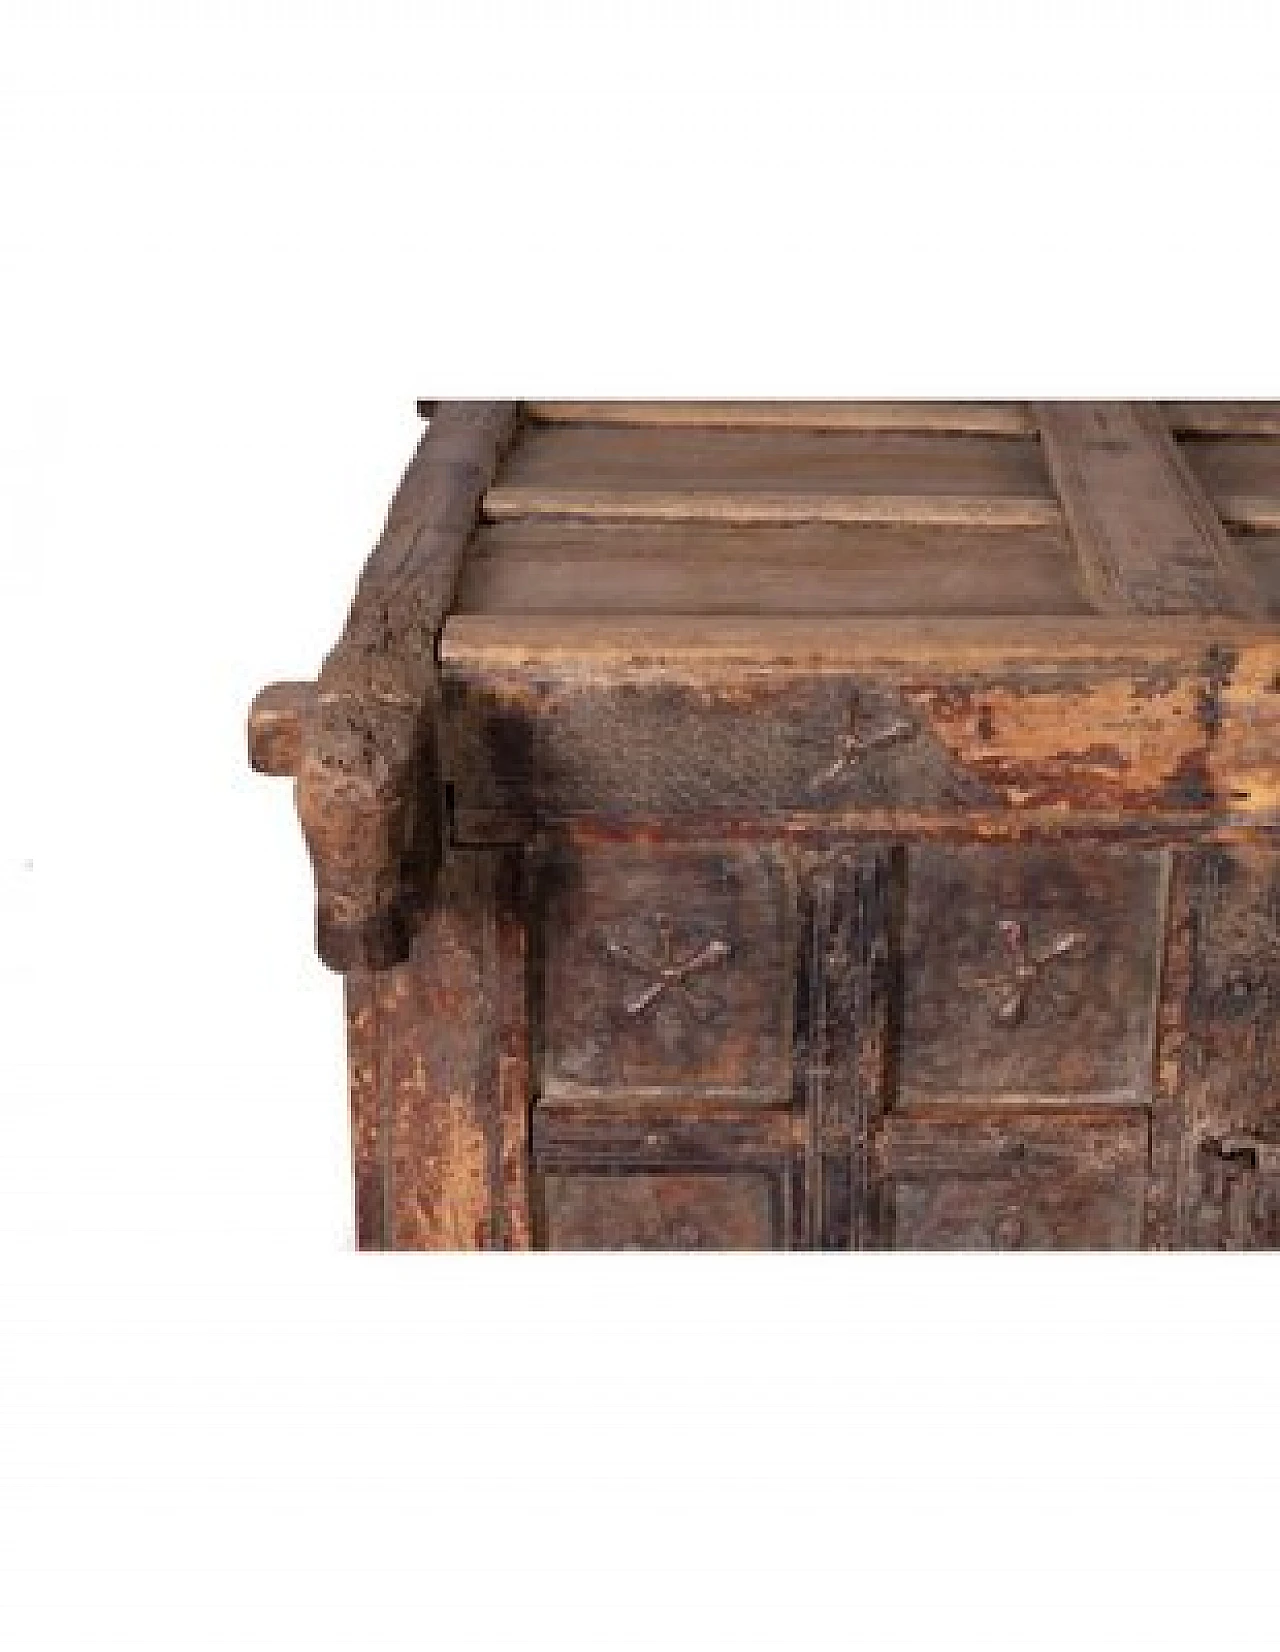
{"x": 795, "y": 825}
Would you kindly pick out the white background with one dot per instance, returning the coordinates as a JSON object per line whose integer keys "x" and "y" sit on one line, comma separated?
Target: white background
{"x": 236, "y": 242}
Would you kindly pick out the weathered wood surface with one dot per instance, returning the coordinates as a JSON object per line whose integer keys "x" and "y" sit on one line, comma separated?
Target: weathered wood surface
{"x": 1223, "y": 418}
{"x": 276, "y": 720}
{"x": 862, "y": 872}
{"x": 368, "y": 788}
{"x": 439, "y": 1067}
{"x": 749, "y": 476}
{"x": 668, "y": 975}
{"x": 540, "y": 565}
{"x": 1030, "y": 972}
{"x": 671, "y": 1211}
{"x": 954, "y": 418}
{"x": 551, "y": 718}
{"x": 1004, "y": 1178}
{"x": 847, "y": 1035}
{"x": 1148, "y": 539}
{"x": 1241, "y": 476}
{"x": 1230, "y": 1141}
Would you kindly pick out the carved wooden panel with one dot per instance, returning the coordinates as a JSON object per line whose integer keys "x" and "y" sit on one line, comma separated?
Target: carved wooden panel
{"x": 661, "y": 1211}
{"x": 1030, "y": 972}
{"x": 1009, "y": 1180}
{"x": 666, "y": 973}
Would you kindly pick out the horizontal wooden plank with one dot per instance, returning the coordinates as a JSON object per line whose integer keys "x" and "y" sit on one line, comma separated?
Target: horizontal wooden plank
{"x": 577, "y": 714}
{"x": 1146, "y": 535}
{"x": 584, "y": 644}
{"x": 627, "y": 1132}
{"x": 959, "y": 418}
{"x": 1241, "y": 475}
{"x": 970, "y": 1140}
{"x": 1223, "y": 418}
{"x": 543, "y": 565}
{"x": 747, "y": 506}
{"x": 779, "y": 476}
{"x": 839, "y": 825}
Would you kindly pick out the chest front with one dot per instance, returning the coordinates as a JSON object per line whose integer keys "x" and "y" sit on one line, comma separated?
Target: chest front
{"x": 854, "y": 835}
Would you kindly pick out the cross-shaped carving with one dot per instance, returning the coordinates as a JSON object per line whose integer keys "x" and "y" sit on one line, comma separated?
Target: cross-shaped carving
{"x": 852, "y": 743}
{"x": 669, "y": 974}
{"x": 1025, "y": 967}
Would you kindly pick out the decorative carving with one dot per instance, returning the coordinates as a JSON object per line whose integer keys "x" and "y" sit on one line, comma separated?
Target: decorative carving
{"x": 668, "y": 974}
{"x": 852, "y": 743}
{"x": 1025, "y": 967}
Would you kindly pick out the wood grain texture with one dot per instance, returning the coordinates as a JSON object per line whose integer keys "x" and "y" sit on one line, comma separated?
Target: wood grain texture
{"x": 666, "y": 974}
{"x": 849, "y": 990}
{"x": 276, "y": 720}
{"x": 730, "y": 1211}
{"x": 687, "y": 716}
{"x": 540, "y": 565}
{"x": 1148, "y": 539}
{"x": 1007, "y": 1179}
{"x": 657, "y": 474}
{"x": 1030, "y": 972}
{"x": 1223, "y": 418}
{"x": 1230, "y": 1169}
{"x": 892, "y": 880}
{"x": 1241, "y": 475}
{"x": 959, "y": 418}
{"x": 368, "y": 790}
{"x": 439, "y": 1074}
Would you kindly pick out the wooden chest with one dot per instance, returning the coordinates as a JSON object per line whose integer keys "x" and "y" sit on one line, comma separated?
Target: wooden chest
{"x": 803, "y": 825}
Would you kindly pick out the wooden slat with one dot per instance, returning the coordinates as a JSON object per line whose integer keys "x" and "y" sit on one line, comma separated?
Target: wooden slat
{"x": 1223, "y": 418}
{"x": 539, "y": 565}
{"x": 781, "y": 476}
{"x": 1148, "y": 539}
{"x": 621, "y": 644}
{"x": 958, "y": 418}
{"x": 1241, "y": 475}
{"x": 619, "y": 505}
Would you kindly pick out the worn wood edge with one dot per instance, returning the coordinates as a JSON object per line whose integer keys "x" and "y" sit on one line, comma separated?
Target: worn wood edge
{"x": 480, "y": 828}
{"x": 1223, "y": 418}
{"x": 655, "y": 642}
{"x": 1115, "y": 577}
{"x": 276, "y": 719}
{"x": 747, "y": 508}
{"x": 1247, "y": 596}
{"x": 948, "y": 418}
{"x": 961, "y": 418}
{"x": 1256, "y": 512}
{"x": 369, "y": 792}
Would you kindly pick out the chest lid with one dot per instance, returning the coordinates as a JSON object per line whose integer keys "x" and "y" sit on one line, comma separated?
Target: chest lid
{"x": 881, "y": 508}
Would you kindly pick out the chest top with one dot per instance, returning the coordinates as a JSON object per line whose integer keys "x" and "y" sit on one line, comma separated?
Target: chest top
{"x": 993, "y": 619}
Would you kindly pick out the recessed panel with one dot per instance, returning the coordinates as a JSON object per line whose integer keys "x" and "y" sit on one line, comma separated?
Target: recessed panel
{"x": 666, "y": 973}
{"x": 1017, "y": 1212}
{"x": 1030, "y": 973}
{"x": 661, "y": 1211}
